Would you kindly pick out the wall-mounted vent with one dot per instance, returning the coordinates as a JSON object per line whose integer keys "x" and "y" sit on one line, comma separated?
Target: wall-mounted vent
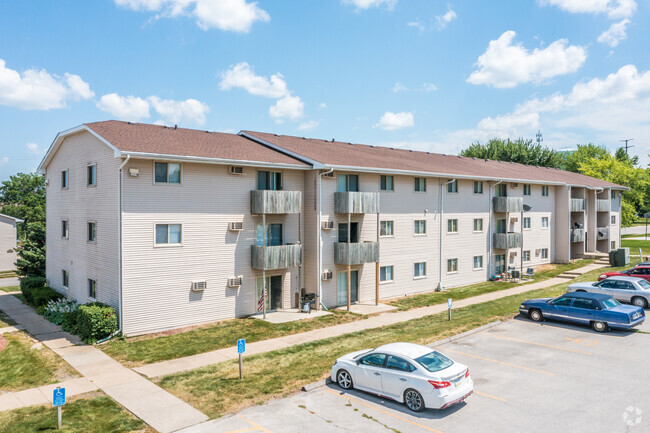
{"x": 327, "y": 225}
{"x": 327, "y": 275}
{"x": 235, "y": 169}
{"x": 329, "y": 175}
{"x": 235, "y": 283}
{"x": 199, "y": 286}
{"x": 236, "y": 226}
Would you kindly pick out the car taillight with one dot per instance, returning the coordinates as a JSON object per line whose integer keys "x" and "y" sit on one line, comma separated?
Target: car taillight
{"x": 467, "y": 373}
{"x": 439, "y": 384}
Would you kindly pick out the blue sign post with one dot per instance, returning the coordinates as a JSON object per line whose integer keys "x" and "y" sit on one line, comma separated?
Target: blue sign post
{"x": 449, "y": 307}
{"x": 58, "y": 400}
{"x": 241, "y": 348}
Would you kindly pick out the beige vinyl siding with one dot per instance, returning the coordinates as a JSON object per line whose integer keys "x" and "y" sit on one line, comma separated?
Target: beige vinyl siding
{"x": 79, "y": 204}
{"x": 7, "y": 244}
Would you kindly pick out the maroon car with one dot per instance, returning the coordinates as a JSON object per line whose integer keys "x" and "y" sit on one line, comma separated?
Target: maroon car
{"x": 638, "y": 271}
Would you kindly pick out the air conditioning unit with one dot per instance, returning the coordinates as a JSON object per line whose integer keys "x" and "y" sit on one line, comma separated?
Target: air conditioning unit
{"x": 514, "y": 219}
{"x": 327, "y": 225}
{"x": 327, "y": 275}
{"x": 236, "y": 226}
{"x": 234, "y": 169}
{"x": 538, "y": 251}
{"x": 329, "y": 175}
{"x": 199, "y": 286}
{"x": 235, "y": 283}
{"x": 514, "y": 185}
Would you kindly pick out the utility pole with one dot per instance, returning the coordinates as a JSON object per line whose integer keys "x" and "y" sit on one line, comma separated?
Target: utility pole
{"x": 538, "y": 137}
{"x": 626, "y": 145}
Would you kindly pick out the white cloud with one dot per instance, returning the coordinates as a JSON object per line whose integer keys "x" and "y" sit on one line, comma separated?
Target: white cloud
{"x": 228, "y": 15}
{"x": 615, "y": 33}
{"x": 367, "y": 4}
{"x": 306, "y": 126}
{"x": 34, "y": 149}
{"x": 392, "y": 121}
{"x": 39, "y": 90}
{"x": 242, "y": 75}
{"x": 418, "y": 25}
{"x": 289, "y": 107}
{"x": 175, "y": 112}
{"x": 443, "y": 20}
{"x": 613, "y": 8}
{"x": 129, "y": 108}
{"x": 504, "y": 65}
{"x": 398, "y": 87}
{"x": 4, "y": 160}
{"x": 425, "y": 87}
{"x": 322, "y": 105}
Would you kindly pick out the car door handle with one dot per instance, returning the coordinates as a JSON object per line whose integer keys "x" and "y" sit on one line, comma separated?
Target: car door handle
{"x": 402, "y": 379}
{"x": 377, "y": 374}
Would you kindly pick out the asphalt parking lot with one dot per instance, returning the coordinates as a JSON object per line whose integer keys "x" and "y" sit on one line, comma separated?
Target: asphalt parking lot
{"x": 528, "y": 377}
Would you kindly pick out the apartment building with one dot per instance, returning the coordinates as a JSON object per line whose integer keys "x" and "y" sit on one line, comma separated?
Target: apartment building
{"x": 176, "y": 227}
{"x": 8, "y": 242}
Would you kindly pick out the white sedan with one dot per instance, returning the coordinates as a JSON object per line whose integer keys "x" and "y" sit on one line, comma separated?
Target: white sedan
{"x": 409, "y": 373}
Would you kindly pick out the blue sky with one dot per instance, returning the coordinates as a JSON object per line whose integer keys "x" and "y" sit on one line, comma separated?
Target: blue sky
{"x": 428, "y": 75}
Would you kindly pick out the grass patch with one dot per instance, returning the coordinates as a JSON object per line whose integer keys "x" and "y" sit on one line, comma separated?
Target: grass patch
{"x": 5, "y": 320}
{"x": 10, "y": 289}
{"x": 23, "y": 367}
{"x": 154, "y": 348}
{"x": 80, "y": 414}
{"x": 216, "y": 390}
{"x": 634, "y": 246}
{"x": 8, "y": 274}
{"x": 458, "y": 293}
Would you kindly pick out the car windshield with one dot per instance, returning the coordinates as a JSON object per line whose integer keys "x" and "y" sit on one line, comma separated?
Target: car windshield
{"x": 434, "y": 361}
{"x": 644, "y": 284}
{"x": 611, "y": 303}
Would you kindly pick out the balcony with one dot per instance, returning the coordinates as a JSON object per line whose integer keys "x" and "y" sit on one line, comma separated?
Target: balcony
{"x": 356, "y": 253}
{"x": 356, "y": 202}
{"x": 505, "y": 241}
{"x": 602, "y": 233}
{"x": 275, "y": 202}
{"x": 602, "y": 205}
{"x": 577, "y": 235}
{"x": 275, "y": 257}
{"x": 508, "y": 204}
{"x": 577, "y": 204}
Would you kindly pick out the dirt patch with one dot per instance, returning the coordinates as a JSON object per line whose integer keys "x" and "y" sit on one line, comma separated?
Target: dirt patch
{"x": 3, "y": 343}
{"x": 542, "y": 268}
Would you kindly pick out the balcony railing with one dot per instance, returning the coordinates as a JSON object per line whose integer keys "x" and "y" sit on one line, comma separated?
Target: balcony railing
{"x": 504, "y": 241}
{"x": 577, "y": 235}
{"x": 602, "y": 233}
{"x": 577, "y": 204}
{"x": 275, "y": 202}
{"x": 602, "y": 205}
{"x": 356, "y": 202}
{"x": 356, "y": 253}
{"x": 508, "y": 204}
{"x": 275, "y": 257}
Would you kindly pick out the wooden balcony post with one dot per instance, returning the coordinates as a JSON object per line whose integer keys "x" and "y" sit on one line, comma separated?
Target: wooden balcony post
{"x": 349, "y": 267}
{"x": 377, "y": 268}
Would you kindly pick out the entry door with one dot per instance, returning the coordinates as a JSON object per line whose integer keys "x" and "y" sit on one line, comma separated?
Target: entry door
{"x": 274, "y": 292}
{"x": 342, "y": 287}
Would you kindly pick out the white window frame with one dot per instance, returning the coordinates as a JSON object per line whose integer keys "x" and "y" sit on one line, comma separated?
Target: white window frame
{"x": 65, "y": 234}
{"x": 416, "y": 225}
{"x": 526, "y": 219}
{"x": 153, "y": 171}
{"x": 544, "y": 254}
{"x": 423, "y": 182}
{"x": 94, "y": 294}
{"x": 91, "y": 164}
{"x": 544, "y": 190}
{"x": 526, "y": 256}
{"x": 65, "y": 275}
{"x": 424, "y": 268}
{"x": 452, "y": 232}
{"x": 67, "y": 179}
{"x": 474, "y": 225}
{"x": 452, "y": 186}
{"x": 392, "y": 183}
{"x": 613, "y": 219}
{"x": 547, "y": 222}
{"x": 94, "y": 241}
{"x": 528, "y": 188}
{"x": 168, "y": 245}
{"x": 478, "y": 183}
{"x": 455, "y": 260}
{"x": 612, "y": 245}
{"x": 392, "y": 274}
{"x": 474, "y": 263}
{"x": 386, "y": 224}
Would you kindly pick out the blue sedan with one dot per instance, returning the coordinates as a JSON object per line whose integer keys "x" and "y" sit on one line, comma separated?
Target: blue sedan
{"x": 598, "y": 310}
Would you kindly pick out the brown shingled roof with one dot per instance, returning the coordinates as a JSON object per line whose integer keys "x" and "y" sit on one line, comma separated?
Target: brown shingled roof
{"x": 156, "y": 139}
{"x": 337, "y": 153}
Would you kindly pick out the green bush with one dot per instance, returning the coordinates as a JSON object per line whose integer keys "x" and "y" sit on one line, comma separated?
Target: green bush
{"x": 39, "y": 297}
{"x": 31, "y": 283}
{"x": 70, "y": 321}
{"x": 96, "y": 321}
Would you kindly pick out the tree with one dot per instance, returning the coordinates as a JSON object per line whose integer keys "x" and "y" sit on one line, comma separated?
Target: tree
{"x": 521, "y": 151}
{"x": 31, "y": 255}
{"x": 584, "y": 153}
{"x": 622, "y": 156}
{"x": 23, "y": 196}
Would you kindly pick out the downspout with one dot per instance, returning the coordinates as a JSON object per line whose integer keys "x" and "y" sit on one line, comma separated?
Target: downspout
{"x": 596, "y": 192}
{"x": 320, "y": 240}
{"x": 442, "y": 213}
{"x": 119, "y": 244}
{"x": 490, "y": 235}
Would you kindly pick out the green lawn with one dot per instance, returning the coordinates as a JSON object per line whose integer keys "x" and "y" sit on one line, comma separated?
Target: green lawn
{"x": 635, "y": 245}
{"x": 216, "y": 390}
{"x": 458, "y": 293}
{"x": 5, "y": 320}
{"x": 10, "y": 289}
{"x": 80, "y": 415}
{"x": 22, "y": 367}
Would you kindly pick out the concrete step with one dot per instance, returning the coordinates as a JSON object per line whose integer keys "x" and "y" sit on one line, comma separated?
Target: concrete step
{"x": 566, "y": 276}
{"x": 576, "y": 273}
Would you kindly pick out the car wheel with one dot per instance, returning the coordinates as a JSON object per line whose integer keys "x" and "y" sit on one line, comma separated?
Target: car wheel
{"x": 599, "y": 326}
{"x": 536, "y": 315}
{"x": 413, "y": 400}
{"x": 640, "y": 302}
{"x": 344, "y": 379}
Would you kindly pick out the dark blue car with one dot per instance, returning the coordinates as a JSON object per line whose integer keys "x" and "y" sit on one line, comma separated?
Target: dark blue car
{"x": 599, "y": 311}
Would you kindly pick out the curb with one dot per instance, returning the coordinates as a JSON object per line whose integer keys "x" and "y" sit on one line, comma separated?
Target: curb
{"x": 464, "y": 334}
{"x": 319, "y": 384}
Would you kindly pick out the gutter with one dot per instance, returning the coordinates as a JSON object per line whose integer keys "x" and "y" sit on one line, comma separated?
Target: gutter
{"x": 442, "y": 213}
{"x": 320, "y": 240}
{"x": 119, "y": 246}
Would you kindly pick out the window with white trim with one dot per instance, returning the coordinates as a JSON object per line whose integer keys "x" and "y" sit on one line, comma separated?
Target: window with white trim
{"x": 452, "y": 186}
{"x": 613, "y": 194}
{"x": 478, "y": 262}
{"x": 420, "y": 184}
{"x": 169, "y": 234}
{"x": 167, "y": 172}
{"x": 452, "y": 226}
{"x": 420, "y": 227}
{"x": 526, "y": 256}
{"x": 527, "y": 223}
{"x": 526, "y": 189}
{"x": 92, "y": 288}
{"x": 478, "y": 224}
{"x": 452, "y": 266}
{"x": 91, "y": 177}
{"x": 544, "y": 253}
{"x": 420, "y": 270}
{"x": 65, "y": 229}
{"x": 65, "y": 278}
{"x": 92, "y": 232}
{"x": 64, "y": 179}
{"x": 478, "y": 187}
{"x": 613, "y": 245}
{"x": 613, "y": 219}
{"x": 544, "y": 190}
{"x": 386, "y": 274}
{"x": 386, "y": 228}
{"x": 387, "y": 183}
{"x": 544, "y": 222}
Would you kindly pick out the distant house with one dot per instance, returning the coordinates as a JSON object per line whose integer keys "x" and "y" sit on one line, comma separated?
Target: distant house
{"x": 8, "y": 242}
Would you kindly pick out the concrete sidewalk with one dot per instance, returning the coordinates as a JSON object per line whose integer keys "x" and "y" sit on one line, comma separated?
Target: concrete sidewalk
{"x": 204, "y": 359}
{"x": 155, "y": 406}
{"x": 43, "y": 394}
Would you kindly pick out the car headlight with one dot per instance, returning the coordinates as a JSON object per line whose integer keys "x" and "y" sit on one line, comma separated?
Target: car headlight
{"x": 522, "y": 306}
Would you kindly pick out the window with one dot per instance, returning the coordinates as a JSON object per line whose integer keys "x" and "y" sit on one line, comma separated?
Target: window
{"x": 420, "y": 184}
{"x": 419, "y": 270}
{"x": 452, "y": 266}
{"x": 526, "y": 256}
{"x": 613, "y": 219}
{"x": 168, "y": 234}
{"x": 92, "y": 232}
{"x": 385, "y": 228}
{"x": 167, "y": 172}
{"x": 613, "y": 194}
{"x": 65, "y": 229}
{"x": 544, "y": 190}
{"x": 478, "y": 187}
{"x": 269, "y": 180}
{"x": 395, "y": 363}
{"x": 501, "y": 190}
{"x": 478, "y": 224}
{"x": 544, "y": 253}
{"x": 587, "y": 304}
{"x": 273, "y": 235}
{"x": 613, "y": 247}
{"x": 64, "y": 179}
{"x": 527, "y": 223}
{"x": 374, "y": 360}
{"x": 347, "y": 183}
{"x": 92, "y": 288}
{"x": 92, "y": 175}
{"x": 386, "y": 274}
{"x": 478, "y": 262}
{"x": 562, "y": 302}
{"x": 420, "y": 227}
{"x": 526, "y": 189}
{"x": 501, "y": 225}
{"x": 386, "y": 183}
{"x": 452, "y": 186}
{"x": 544, "y": 222}
{"x": 434, "y": 361}
{"x": 65, "y": 278}
{"x": 452, "y": 226}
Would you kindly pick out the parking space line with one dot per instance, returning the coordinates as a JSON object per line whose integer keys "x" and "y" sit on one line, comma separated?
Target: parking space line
{"x": 349, "y": 397}
{"x": 490, "y": 396}
{"x": 540, "y": 344}
{"x": 500, "y": 362}
{"x": 254, "y": 424}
